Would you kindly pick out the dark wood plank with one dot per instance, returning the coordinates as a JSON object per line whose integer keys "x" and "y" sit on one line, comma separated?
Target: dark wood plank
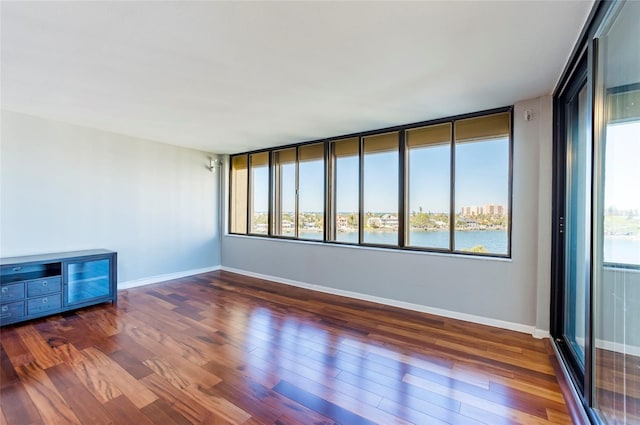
{"x": 46, "y": 397}
{"x": 123, "y": 411}
{"x": 133, "y": 366}
{"x": 17, "y": 406}
{"x": 8, "y": 375}
{"x": 176, "y": 398}
{"x": 160, "y": 412}
{"x": 82, "y": 402}
{"x": 320, "y": 405}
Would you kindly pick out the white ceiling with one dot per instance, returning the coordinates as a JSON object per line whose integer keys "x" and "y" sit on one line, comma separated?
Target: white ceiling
{"x": 234, "y": 76}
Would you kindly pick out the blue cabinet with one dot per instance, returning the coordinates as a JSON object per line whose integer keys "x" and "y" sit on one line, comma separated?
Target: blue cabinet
{"x": 39, "y": 285}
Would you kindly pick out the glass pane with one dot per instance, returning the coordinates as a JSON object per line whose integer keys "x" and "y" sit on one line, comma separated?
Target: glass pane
{"x": 621, "y": 195}
{"x": 311, "y": 191}
{"x": 577, "y": 222}
{"x": 238, "y": 207}
{"x": 284, "y": 192}
{"x": 381, "y": 189}
{"x": 482, "y": 184}
{"x": 259, "y": 205}
{"x": 87, "y": 280}
{"x": 429, "y": 162}
{"x": 347, "y": 191}
{"x": 617, "y": 221}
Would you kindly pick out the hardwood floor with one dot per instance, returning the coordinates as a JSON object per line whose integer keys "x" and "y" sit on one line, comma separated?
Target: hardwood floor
{"x": 221, "y": 348}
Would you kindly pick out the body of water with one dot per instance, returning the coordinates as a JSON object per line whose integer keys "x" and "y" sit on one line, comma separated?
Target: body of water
{"x": 495, "y": 241}
{"x": 616, "y": 250}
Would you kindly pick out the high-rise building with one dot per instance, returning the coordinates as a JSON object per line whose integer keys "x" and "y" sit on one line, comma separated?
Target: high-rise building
{"x": 493, "y": 209}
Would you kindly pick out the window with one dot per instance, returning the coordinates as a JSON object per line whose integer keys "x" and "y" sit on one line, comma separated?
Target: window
{"x": 440, "y": 186}
{"x": 259, "y": 190}
{"x": 429, "y": 184}
{"x": 311, "y": 191}
{"x": 482, "y": 165}
{"x": 238, "y": 192}
{"x": 380, "y": 189}
{"x": 285, "y": 184}
{"x": 346, "y": 194}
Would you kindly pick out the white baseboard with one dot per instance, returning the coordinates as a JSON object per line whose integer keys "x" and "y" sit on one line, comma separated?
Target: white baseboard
{"x": 538, "y": 333}
{"x": 618, "y": 347}
{"x": 541, "y": 333}
{"x": 163, "y": 277}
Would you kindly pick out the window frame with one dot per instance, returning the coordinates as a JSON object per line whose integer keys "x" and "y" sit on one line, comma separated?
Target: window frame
{"x": 407, "y": 169}
{"x": 273, "y": 180}
{"x": 330, "y": 214}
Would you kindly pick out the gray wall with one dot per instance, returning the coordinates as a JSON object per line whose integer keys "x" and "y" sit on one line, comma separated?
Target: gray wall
{"x": 65, "y": 187}
{"x": 515, "y": 290}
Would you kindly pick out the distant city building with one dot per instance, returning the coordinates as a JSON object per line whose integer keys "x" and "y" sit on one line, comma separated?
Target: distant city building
{"x": 488, "y": 209}
{"x": 470, "y": 211}
{"x": 492, "y": 209}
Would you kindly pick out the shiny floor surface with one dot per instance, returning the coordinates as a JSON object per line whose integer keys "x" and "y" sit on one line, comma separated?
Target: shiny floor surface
{"x": 221, "y": 348}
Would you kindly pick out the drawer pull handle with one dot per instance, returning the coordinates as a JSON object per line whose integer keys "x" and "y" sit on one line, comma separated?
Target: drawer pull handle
{"x": 5, "y": 308}
{"x": 5, "y": 290}
{"x": 44, "y": 283}
{"x": 16, "y": 269}
{"x": 45, "y": 300}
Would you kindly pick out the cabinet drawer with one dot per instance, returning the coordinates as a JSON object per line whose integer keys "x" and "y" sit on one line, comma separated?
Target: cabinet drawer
{"x": 12, "y": 292}
{"x": 39, "y": 305}
{"x": 12, "y": 311}
{"x": 44, "y": 286}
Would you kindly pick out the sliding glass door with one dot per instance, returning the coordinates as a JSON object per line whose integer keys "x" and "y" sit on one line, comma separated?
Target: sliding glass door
{"x": 596, "y": 258}
{"x": 616, "y": 238}
{"x": 576, "y": 221}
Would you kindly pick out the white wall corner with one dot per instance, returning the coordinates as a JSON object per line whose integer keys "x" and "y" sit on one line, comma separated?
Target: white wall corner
{"x": 163, "y": 277}
{"x": 541, "y": 333}
{"x": 544, "y": 115}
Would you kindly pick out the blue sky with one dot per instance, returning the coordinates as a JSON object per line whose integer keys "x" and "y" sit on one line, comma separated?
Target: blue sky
{"x": 482, "y": 171}
{"x": 622, "y": 172}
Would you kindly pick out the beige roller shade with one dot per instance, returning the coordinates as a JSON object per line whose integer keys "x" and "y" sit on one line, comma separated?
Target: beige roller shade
{"x": 284, "y": 156}
{"x": 260, "y": 159}
{"x": 311, "y": 152}
{"x": 346, "y": 147}
{"x": 381, "y": 143}
{"x": 624, "y": 106}
{"x": 428, "y": 136}
{"x": 238, "y": 163}
{"x": 484, "y": 127}
{"x": 239, "y": 176}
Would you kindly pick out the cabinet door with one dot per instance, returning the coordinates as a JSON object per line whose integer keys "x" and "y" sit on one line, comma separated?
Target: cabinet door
{"x": 87, "y": 280}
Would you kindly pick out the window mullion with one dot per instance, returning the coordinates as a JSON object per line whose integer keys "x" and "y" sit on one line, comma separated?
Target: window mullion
{"x": 452, "y": 194}
{"x": 270, "y": 196}
{"x": 402, "y": 189}
{"x": 297, "y": 196}
{"x": 360, "y": 190}
{"x": 329, "y": 191}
